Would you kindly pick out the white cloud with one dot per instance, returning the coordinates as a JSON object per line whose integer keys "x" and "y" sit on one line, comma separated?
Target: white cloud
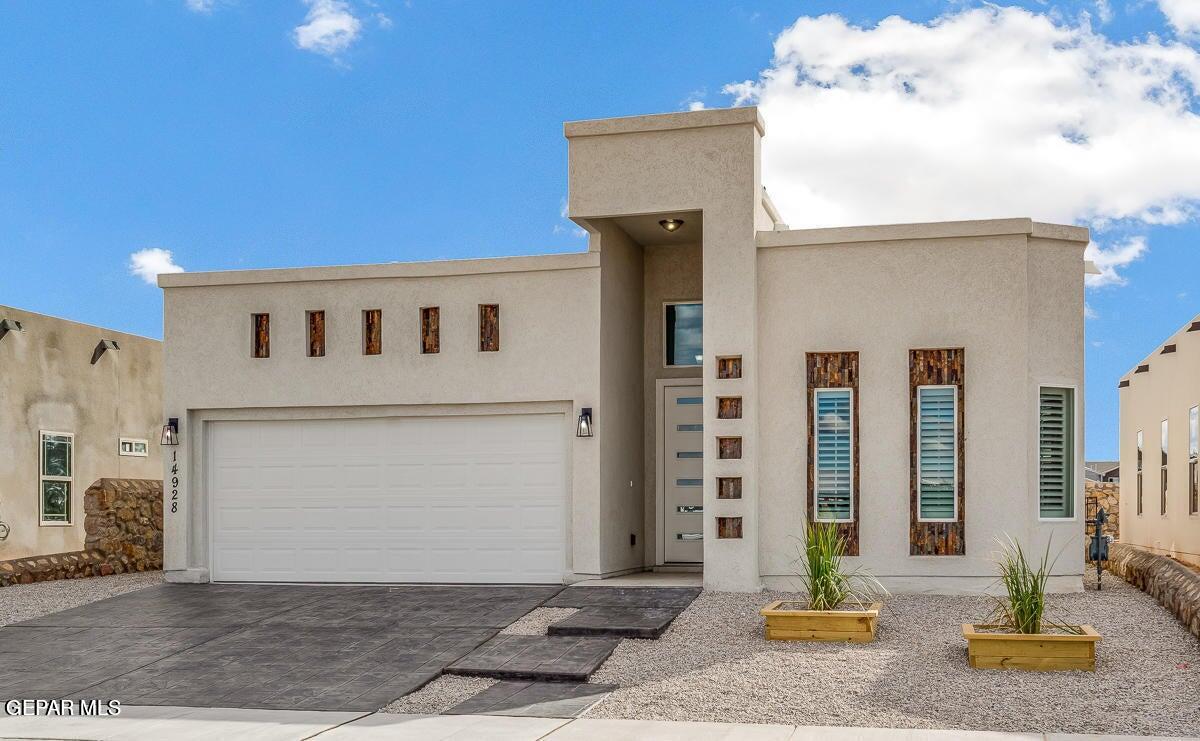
{"x": 1089, "y": 312}
{"x": 200, "y": 6}
{"x": 147, "y": 264}
{"x": 1104, "y": 11}
{"x": 1110, "y": 259}
{"x": 329, "y": 28}
{"x": 1183, "y": 15}
{"x": 384, "y": 21}
{"x": 987, "y": 112}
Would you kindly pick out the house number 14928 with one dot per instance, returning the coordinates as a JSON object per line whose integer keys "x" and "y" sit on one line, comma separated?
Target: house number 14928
{"x": 174, "y": 481}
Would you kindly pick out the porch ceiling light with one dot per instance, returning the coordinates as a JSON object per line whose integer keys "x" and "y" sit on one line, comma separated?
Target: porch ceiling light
{"x": 584, "y": 428}
{"x": 170, "y": 432}
{"x": 671, "y": 225}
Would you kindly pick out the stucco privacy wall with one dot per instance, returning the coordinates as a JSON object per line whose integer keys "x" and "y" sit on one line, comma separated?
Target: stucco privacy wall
{"x": 549, "y": 361}
{"x": 708, "y": 162}
{"x": 1168, "y": 389}
{"x": 49, "y": 383}
{"x": 882, "y": 293}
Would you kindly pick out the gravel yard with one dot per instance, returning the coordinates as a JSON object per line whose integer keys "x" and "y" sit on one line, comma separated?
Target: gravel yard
{"x": 440, "y": 695}
{"x": 27, "y": 601}
{"x": 714, "y": 665}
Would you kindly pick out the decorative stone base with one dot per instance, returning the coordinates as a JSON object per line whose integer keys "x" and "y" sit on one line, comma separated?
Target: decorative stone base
{"x": 123, "y": 532}
{"x": 1174, "y": 585}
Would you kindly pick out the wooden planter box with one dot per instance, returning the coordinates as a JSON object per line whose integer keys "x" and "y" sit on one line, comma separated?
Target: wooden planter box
{"x": 855, "y": 626}
{"x": 1039, "y": 652}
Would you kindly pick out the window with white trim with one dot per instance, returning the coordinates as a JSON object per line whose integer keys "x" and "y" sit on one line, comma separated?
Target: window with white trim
{"x": 56, "y": 466}
{"x": 1162, "y": 474}
{"x": 1056, "y": 453}
{"x": 833, "y": 454}
{"x": 134, "y": 447}
{"x": 1139, "y": 471}
{"x": 937, "y": 453}
{"x": 1193, "y": 456}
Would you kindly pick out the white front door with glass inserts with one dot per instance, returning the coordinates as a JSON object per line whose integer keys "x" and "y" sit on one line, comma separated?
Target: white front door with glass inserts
{"x": 683, "y": 473}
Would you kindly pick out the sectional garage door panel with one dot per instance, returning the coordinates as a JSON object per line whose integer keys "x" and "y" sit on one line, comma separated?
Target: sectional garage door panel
{"x": 397, "y": 499}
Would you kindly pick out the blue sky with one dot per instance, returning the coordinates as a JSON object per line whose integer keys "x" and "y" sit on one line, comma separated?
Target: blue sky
{"x": 238, "y": 134}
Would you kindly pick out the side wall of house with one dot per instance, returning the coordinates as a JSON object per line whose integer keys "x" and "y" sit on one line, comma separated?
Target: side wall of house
{"x": 881, "y": 300}
{"x": 548, "y": 361}
{"x": 48, "y": 383}
{"x": 1166, "y": 391}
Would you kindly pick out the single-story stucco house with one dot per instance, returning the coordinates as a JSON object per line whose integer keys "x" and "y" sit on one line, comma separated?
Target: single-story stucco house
{"x": 78, "y": 403}
{"x": 683, "y": 395}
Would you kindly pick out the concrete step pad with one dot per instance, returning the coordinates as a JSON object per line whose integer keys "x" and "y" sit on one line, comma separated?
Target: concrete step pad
{"x": 617, "y": 622}
{"x": 544, "y": 658}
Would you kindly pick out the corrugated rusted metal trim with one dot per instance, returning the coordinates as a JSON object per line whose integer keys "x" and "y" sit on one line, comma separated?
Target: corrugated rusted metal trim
{"x": 489, "y": 327}
{"x": 936, "y": 367}
{"x": 834, "y": 370}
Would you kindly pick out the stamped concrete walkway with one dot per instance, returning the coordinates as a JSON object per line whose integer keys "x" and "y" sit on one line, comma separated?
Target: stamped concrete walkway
{"x": 232, "y": 724}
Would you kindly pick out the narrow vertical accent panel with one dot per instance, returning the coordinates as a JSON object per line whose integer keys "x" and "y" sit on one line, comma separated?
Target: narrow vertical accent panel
{"x": 936, "y": 367}
{"x": 729, "y": 407}
{"x": 372, "y": 331}
{"x": 729, "y": 527}
{"x": 316, "y": 334}
{"x": 261, "y": 329}
{"x": 829, "y": 370}
{"x": 430, "y": 331}
{"x": 489, "y": 328}
{"x": 729, "y": 448}
{"x": 729, "y": 366}
{"x": 729, "y": 487}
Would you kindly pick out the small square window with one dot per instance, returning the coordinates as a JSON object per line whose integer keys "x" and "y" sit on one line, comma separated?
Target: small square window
{"x": 134, "y": 447}
{"x": 682, "y": 336}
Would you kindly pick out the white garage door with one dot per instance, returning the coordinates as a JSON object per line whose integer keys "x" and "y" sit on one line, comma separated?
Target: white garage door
{"x": 397, "y": 499}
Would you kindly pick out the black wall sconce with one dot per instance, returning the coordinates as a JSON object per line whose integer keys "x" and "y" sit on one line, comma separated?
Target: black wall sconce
{"x": 584, "y": 427}
{"x": 170, "y": 433}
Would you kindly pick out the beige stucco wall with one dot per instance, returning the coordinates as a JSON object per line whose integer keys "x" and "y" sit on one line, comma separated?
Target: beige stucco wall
{"x": 1167, "y": 391}
{"x": 673, "y": 273}
{"x": 1015, "y": 305}
{"x": 48, "y": 383}
{"x": 548, "y": 361}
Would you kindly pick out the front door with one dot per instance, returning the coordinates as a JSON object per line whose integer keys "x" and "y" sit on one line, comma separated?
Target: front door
{"x": 683, "y": 473}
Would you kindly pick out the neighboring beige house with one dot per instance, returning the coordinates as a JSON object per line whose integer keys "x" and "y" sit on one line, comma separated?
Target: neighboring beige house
{"x": 414, "y": 422}
{"x": 77, "y": 403}
{"x": 1160, "y": 443}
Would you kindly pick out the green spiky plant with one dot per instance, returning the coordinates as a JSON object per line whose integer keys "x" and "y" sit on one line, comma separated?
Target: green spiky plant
{"x": 823, "y": 576}
{"x": 1023, "y": 608}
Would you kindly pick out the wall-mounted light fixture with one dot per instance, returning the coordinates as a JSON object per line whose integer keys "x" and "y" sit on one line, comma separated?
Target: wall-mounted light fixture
{"x": 671, "y": 225}
{"x": 10, "y": 325}
{"x": 584, "y": 427}
{"x": 170, "y": 433}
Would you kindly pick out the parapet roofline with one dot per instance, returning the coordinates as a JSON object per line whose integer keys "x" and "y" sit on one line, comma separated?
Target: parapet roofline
{"x": 665, "y": 122}
{"x": 930, "y": 230}
{"x": 426, "y": 269}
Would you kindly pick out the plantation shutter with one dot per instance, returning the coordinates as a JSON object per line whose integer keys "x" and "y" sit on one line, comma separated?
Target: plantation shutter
{"x": 937, "y": 451}
{"x": 1056, "y": 456}
{"x": 834, "y": 455}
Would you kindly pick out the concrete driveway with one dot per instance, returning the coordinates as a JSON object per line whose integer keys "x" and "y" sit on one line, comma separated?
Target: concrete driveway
{"x": 349, "y": 648}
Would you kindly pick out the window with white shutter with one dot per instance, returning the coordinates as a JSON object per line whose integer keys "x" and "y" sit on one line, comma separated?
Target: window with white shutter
{"x": 937, "y": 453}
{"x": 1056, "y": 453}
{"x": 833, "y": 455}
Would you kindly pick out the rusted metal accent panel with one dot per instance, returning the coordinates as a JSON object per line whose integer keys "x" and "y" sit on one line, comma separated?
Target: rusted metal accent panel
{"x": 936, "y": 367}
{"x": 729, "y": 407}
{"x": 431, "y": 341}
{"x": 261, "y": 331}
{"x": 729, "y": 487}
{"x": 489, "y": 327}
{"x": 729, "y": 527}
{"x": 729, "y": 448}
{"x": 833, "y": 370}
{"x": 372, "y": 331}
{"x": 316, "y": 334}
{"x": 729, "y": 366}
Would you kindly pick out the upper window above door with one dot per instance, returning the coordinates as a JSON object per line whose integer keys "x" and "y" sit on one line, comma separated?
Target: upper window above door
{"x": 682, "y": 339}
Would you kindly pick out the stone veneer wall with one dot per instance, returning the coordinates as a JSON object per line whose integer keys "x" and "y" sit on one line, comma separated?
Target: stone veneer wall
{"x": 123, "y": 531}
{"x": 1106, "y": 494}
{"x": 1175, "y": 586}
